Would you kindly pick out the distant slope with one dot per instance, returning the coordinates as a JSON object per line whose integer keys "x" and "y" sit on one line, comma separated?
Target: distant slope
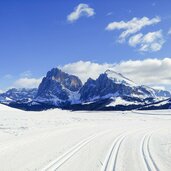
{"x": 164, "y": 104}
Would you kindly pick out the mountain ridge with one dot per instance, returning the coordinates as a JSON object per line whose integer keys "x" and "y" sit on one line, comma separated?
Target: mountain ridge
{"x": 66, "y": 91}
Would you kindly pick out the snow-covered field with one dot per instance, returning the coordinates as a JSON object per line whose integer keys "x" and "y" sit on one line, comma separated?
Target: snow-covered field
{"x": 84, "y": 141}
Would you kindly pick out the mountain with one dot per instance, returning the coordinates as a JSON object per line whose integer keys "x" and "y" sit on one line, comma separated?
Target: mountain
{"x": 110, "y": 91}
{"x": 112, "y": 84}
{"x": 113, "y": 91}
{"x": 58, "y": 88}
{"x": 159, "y": 105}
{"x": 14, "y": 95}
{"x": 162, "y": 93}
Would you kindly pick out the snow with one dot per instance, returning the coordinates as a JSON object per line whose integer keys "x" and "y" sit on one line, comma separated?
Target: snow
{"x": 87, "y": 141}
{"x": 119, "y": 78}
{"x": 161, "y": 103}
{"x": 6, "y": 108}
{"x": 120, "y": 101}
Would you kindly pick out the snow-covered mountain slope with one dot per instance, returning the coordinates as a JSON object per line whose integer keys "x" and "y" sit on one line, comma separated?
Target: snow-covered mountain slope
{"x": 13, "y": 95}
{"x": 162, "y": 93}
{"x": 90, "y": 141}
{"x": 119, "y": 100}
{"x": 58, "y": 87}
{"x": 112, "y": 84}
{"x": 163, "y": 104}
{"x": 110, "y": 91}
{"x": 118, "y": 78}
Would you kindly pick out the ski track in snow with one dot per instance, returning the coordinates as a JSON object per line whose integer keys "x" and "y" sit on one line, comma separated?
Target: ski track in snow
{"x": 146, "y": 154}
{"x": 85, "y": 141}
{"x": 55, "y": 165}
{"x": 111, "y": 158}
{"x": 155, "y": 113}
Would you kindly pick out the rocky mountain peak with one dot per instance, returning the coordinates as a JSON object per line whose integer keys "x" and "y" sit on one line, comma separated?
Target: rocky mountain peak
{"x": 58, "y": 85}
{"x": 18, "y": 94}
{"x": 71, "y": 82}
{"x": 119, "y": 78}
{"x": 63, "y": 90}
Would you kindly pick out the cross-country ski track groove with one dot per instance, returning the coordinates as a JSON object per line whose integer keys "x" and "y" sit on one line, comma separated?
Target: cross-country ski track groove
{"x": 111, "y": 158}
{"x": 146, "y": 154}
{"x": 57, "y": 163}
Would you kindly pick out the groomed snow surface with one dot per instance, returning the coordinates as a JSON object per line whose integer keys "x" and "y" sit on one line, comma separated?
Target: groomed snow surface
{"x": 85, "y": 141}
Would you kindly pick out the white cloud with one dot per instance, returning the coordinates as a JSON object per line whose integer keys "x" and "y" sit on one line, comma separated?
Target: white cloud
{"x": 27, "y": 83}
{"x": 153, "y": 72}
{"x": 79, "y": 11}
{"x": 136, "y": 39}
{"x": 152, "y": 41}
{"x": 87, "y": 69}
{"x": 159, "y": 87}
{"x": 148, "y": 71}
{"x": 132, "y": 26}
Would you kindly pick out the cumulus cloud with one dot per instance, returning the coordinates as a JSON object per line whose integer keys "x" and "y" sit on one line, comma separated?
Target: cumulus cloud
{"x": 79, "y": 11}
{"x": 148, "y": 71}
{"x": 152, "y": 41}
{"x": 159, "y": 87}
{"x": 132, "y": 26}
{"x": 87, "y": 69}
{"x": 135, "y": 40}
{"x": 27, "y": 83}
{"x": 152, "y": 72}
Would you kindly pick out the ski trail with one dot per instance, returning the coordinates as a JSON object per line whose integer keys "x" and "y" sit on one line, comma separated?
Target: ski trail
{"x": 54, "y": 165}
{"x": 112, "y": 156}
{"x": 153, "y": 114}
{"x": 146, "y": 154}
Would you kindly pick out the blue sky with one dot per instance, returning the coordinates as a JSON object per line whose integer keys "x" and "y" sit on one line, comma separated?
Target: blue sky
{"x": 36, "y": 35}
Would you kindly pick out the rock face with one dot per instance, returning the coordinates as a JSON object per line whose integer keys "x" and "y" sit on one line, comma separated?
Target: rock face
{"x": 110, "y": 91}
{"x": 162, "y": 93}
{"x": 112, "y": 84}
{"x": 18, "y": 95}
{"x": 159, "y": 105}
{"x": 58, "y": 86}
